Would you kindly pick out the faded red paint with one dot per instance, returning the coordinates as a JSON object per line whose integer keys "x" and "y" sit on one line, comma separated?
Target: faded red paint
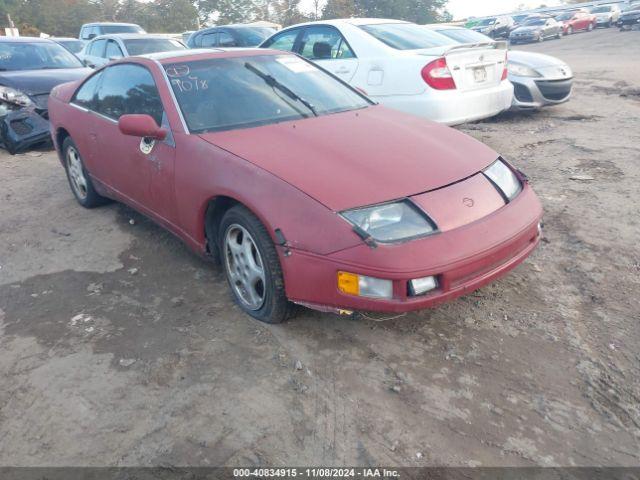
{"x": 298, "y": 175}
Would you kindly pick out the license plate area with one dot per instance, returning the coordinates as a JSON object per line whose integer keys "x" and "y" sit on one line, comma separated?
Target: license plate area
{"x": 479, "y": 74}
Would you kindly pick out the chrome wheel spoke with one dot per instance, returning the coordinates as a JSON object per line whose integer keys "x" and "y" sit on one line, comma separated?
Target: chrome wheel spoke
{"x": 244, "y": 267}
{"x": 76, "y": 173}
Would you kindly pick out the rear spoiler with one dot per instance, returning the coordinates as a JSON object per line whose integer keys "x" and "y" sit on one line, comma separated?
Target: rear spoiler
{"x": 497, "y": 45}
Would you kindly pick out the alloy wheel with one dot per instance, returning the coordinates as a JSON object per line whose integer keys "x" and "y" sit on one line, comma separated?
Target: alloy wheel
{"x": 76, "y": 173}
{"x": 244, "y": 267}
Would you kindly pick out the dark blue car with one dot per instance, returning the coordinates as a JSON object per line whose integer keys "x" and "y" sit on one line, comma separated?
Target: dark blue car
{"x": 29, "y": 69}
{"x": 230, "y": 36}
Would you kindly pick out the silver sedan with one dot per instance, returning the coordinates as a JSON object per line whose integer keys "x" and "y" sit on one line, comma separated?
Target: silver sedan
{"x": 539, "y": 80}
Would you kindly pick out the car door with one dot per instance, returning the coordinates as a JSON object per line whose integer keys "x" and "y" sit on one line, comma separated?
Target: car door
{"x": 581, "y": 23}
{"x": 326, "y": 46}
{"x": 287, "y": 40}
{"x": 95, "y": 53}
{"x": 113, "y": 51}
{"x": 85, "y": 133}
{"x": 140, "y": 170}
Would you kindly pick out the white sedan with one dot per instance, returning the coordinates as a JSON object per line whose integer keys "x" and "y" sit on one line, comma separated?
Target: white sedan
{"x": 405, "y": 66}
{"x": 106, "y": 48}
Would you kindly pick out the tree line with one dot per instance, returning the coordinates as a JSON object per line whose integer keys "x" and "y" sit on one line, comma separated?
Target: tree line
{"x": 65, "y": 17}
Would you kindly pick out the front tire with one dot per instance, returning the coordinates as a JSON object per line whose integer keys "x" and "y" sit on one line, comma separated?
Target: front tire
{"x": 79, "y": 179}
{"x": 252, "y": 267}
{"x": 570, "y": 31}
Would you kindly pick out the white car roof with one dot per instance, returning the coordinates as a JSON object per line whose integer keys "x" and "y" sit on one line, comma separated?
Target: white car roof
{"x": 132, "y": 36}
{"x": 349, "y": 21}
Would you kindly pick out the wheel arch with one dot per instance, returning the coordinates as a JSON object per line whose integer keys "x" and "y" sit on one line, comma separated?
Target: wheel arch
{"x": 214, "y": 211}
{"x": 61, "y": 134}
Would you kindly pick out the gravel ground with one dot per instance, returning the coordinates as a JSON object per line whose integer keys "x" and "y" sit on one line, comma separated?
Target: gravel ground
{"x": 118, "y": 346}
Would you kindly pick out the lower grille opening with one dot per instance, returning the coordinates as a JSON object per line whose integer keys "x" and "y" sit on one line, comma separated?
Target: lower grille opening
{"x": 522, "y": 93}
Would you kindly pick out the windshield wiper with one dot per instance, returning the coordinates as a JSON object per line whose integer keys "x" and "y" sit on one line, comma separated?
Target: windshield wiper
{"x": 273, "y": 83}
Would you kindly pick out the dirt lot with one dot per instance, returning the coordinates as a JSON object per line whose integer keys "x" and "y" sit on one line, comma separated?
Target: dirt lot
{"x": 118, "y": 346}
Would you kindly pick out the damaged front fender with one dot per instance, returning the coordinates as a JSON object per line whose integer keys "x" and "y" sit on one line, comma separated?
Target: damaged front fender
{"x": 23, "y": 128}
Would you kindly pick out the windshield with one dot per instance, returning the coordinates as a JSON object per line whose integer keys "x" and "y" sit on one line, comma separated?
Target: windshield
{"x": 519, "y": 18}
{"x": 605, "y": 9}
{"x": 534, "y": 21}
{"x": 462, "y": 35}
{"x": 74, "y": 46}
{"x": 566, "y": 16}
{"x": 254, "y": 36}
{"x": 107, "y": 29}
{"x": 486, "y": 21}
{"x": 406, "y": 36}
{"x": 241, "y": 92}
{"x": 35, "y": 56}
{"x": 142, "y": 46}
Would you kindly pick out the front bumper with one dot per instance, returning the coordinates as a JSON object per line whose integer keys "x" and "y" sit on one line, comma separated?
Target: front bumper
{"x": 629, "y": 22}
{"x": 453, "y": 107}
{"x": 24, "y": 128}
{"x": 463, "y": 260}
{"x": 524, "y": 38}
{"x": 531, "y": 93}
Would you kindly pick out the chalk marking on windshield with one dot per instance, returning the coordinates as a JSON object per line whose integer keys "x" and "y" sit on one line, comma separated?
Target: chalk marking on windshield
{"x": 178, "y": 71}
{"x": 192, "y": 84}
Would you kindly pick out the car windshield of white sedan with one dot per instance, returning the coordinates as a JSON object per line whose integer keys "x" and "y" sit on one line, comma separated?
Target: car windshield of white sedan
{"x": 35, "y": 56}
{"x": 406, "y": 36}
{"x": 142, "y": 46}
{"x": 241, "y": 92}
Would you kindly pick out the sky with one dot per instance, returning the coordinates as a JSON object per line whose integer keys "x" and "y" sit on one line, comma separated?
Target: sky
{"x": 477, "y": 8}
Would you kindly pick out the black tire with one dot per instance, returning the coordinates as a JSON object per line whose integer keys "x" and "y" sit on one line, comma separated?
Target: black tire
{"x": 87, "y": 195}
{"x": 559, "y": 35}
{"x": 275, "y": 307}
{"x": 570, "y": 30}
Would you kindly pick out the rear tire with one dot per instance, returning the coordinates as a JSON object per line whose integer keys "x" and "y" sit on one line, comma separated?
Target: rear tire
{"x": 79, "y": 179}
{"x": 252, "y": 267}
{"x": 570, "y": 31}
{"x": 590, "y": 27}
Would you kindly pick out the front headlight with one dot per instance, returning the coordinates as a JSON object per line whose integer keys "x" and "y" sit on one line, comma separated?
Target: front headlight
{"x": 504, "y": 179}
{"x": 520, "y": 70}
{"x": 16, "y": 97}
{"x": 391, "y": 222}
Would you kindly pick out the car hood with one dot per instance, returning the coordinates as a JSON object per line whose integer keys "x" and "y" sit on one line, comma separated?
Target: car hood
{"x": 38, "y": 82}
{"x": 527, "y": 29}
{"x": 534, "y": 60}
{"x": 360, "y": 157}
{"x": 631, "y": 14}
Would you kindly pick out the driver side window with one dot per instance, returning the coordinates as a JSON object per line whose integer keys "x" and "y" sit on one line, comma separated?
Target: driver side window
{"x": 127, "y": 89}
{"x": 324, "y": 43}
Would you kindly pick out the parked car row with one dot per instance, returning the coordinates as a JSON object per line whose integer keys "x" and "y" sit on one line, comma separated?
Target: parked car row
{"x": 537, "y": 27}
{"x": 450, "y": 75}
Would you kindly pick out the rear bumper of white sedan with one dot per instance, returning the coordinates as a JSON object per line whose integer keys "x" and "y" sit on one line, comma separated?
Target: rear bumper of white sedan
{"x": 453, "y": 107}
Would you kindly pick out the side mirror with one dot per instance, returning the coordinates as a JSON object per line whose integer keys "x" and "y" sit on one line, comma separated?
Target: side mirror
{"x": 144, "y": 126}
{"x": 91, "y": 35}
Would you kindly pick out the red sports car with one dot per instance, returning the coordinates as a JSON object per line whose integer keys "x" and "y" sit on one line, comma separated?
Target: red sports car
{"x": 306, "y": 191}
{"x": 577, "y": 20}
